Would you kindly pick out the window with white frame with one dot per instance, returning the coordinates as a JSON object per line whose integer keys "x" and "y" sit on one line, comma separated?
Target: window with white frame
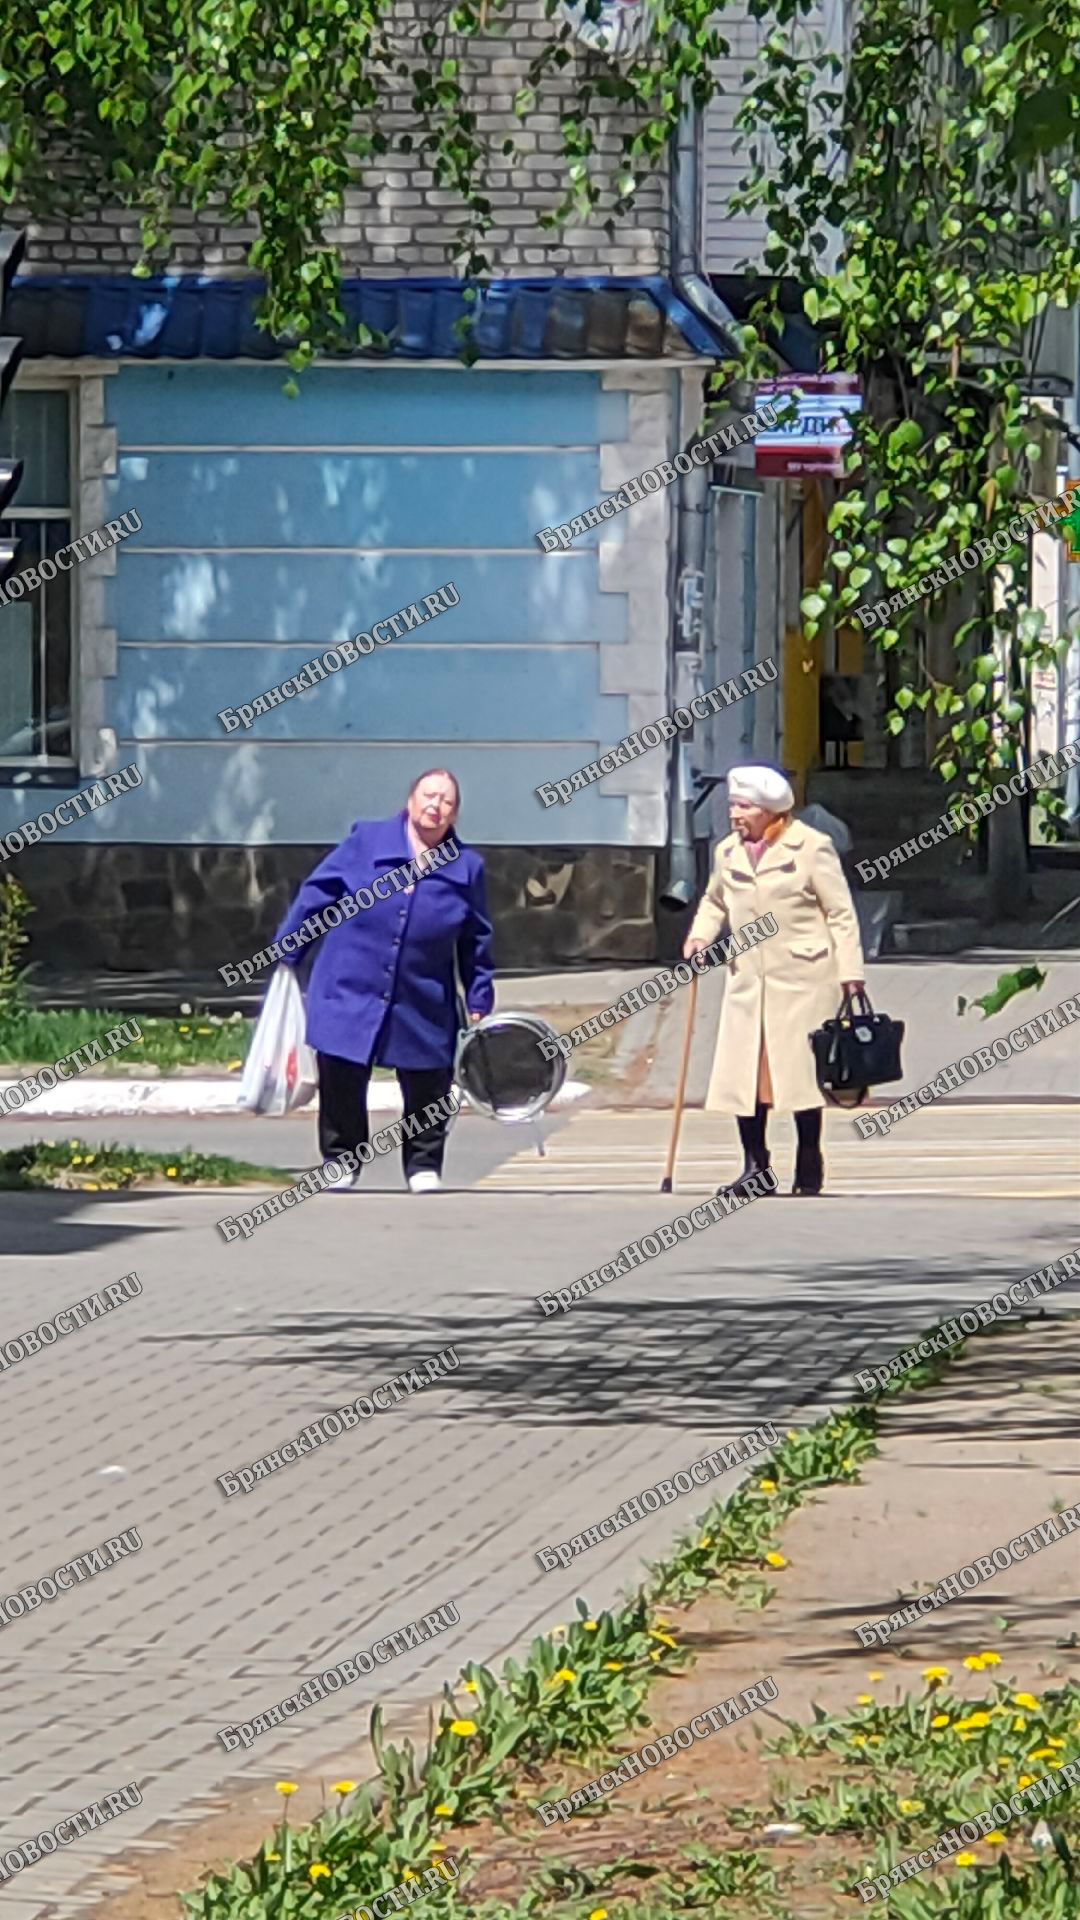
{"x": 36, "y": 630}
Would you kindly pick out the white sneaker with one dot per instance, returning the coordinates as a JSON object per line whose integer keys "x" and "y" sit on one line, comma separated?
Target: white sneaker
{"x": 426, "y": 1181}
{"x": 342, "y": 1182}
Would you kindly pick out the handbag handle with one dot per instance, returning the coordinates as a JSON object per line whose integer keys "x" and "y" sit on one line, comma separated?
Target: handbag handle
{"x": 850, "y": 1007}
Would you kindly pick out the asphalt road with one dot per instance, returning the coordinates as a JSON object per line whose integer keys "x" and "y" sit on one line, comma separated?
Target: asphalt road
{"x": 543, "y": 1429}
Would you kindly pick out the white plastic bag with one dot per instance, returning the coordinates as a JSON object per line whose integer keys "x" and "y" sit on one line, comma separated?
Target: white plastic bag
{"x": 280, "y": 1072}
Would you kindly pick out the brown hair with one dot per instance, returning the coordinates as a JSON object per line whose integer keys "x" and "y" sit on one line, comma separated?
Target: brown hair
{"x": 446, "y": 775}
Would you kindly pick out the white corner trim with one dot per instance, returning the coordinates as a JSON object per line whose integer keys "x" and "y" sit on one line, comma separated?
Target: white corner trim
{"x": 635, "y": 563}
{"x": 96, "y": 639}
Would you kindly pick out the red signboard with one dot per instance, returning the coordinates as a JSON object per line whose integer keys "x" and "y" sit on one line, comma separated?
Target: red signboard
{"x": 813, "y": 440}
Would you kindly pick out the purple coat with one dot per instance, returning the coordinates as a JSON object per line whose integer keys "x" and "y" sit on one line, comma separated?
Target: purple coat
{"x": 381, "y": 988}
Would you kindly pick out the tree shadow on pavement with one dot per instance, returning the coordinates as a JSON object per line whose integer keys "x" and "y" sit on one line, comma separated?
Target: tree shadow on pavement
{"x": 706, "y": 1361}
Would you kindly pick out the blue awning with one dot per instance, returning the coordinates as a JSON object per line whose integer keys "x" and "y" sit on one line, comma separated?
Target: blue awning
{"x": 195, "y": 316}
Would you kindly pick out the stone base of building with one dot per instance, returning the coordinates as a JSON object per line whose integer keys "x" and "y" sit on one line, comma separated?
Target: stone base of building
{"x": 161, "y": 908}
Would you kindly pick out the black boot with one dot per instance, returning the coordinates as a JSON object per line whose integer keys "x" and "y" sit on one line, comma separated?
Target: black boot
{"x": 755, "y": 1153}
{"x": 809, "y": 1164}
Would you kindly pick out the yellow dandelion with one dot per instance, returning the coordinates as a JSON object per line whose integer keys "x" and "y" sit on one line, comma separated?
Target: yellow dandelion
{"x": 990, "y": 1659}
{"x": 90, "y": 1158}
{"x": 445, "y": 1812}
{"x": 933, "y": 1674}
{"x": 766, "y": 1486}
{"x": 977, "y": 1720}
{"x": 202, "y": 1029}
{"x": 965, "y": 1859}
{"x": 1027, "y": 1700}
{"x": 439, "y": 1847}
{"x": 285, "y": 1787}
{"x": 271, "y": 1856}
{"x": 775, "y": 1560}
{"x": 91, "y": 1186}
{"x": 598, "y": 1913}
{"x": 463, "y": 1728}
{"x": 1053, "y": 1765}
{"x": 791, "y": 1434}
{"x": 864, "y": 1700}
{"x": 707, "y": 1542}
{"x": 1042, "y": 1753}
{"x": 1019, "y": 1723}
{"x": 875, "y": 1675}
{"x": 76, "y": 1159}
{"x": 566, "y": 1674}
{"x": 665, "y": 1637}
{"x": 1025, "y": 1780}
{"x": 317, "y": 1871}
{"x": 410, "y": 1875}
{"x": 940, "y": 1720}
{"x": 185, "y": 1029}
{"x": 875, "y": 1739}
{"x": 995, "y": 1839}
{"x": 910, "y": 1806}
{"x": 974, "y": 1664}
{"x": 858, "y": 1739}
{"x": 170, "y": 1173}
{"x": 343, "y": 1786}
{"x": 233, "y": 1065}
{"x": 590, "y": 1626}
{"x": 1051, "y": 1742}
{"x": 847, "y": 1466}
{"x": 469, "y": 1686}
{"x": 613, "y": 1666}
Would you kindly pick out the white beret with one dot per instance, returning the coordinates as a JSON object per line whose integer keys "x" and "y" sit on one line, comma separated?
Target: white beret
{"x": 760, "y": 787}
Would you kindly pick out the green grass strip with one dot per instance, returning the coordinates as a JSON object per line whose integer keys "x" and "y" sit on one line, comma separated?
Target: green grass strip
{"x": 49, "y": 1165}
{"x": 33, "y": 1037}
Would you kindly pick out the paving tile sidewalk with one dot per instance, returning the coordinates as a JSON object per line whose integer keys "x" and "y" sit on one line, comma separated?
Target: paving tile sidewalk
{"x": 543, "y": 1430}
{"x": 923, "y": 993}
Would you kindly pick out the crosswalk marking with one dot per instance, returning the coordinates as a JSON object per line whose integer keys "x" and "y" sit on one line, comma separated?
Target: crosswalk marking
{"x": 1023, "y": 1152}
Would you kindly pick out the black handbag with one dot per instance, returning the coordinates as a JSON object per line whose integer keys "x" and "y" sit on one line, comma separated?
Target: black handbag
{"x": 858, "y": 1050}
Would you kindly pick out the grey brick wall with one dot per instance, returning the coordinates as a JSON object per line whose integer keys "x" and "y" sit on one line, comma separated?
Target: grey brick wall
{"x": 399, "y": 222}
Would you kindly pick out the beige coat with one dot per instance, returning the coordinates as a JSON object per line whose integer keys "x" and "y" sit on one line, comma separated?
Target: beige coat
{"x": 788, "y": 984}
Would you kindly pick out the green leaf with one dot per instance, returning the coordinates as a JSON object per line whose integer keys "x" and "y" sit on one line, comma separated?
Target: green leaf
{"x": 1023, "y": 980}
{"x": 907, "y": 434}
{"x": 813, "y": 605}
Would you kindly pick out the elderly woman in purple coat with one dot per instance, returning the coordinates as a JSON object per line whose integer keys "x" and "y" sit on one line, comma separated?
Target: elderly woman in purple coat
{"x": 381, "y": 990}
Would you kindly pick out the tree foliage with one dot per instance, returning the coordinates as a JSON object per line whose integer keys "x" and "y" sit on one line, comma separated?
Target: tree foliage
{"x": 939, "y": 158}
{"x": 266, "y": 113}
{"x": 940, "y": 154}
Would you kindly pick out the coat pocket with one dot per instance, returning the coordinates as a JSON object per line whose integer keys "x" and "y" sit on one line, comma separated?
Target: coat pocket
{"x": 810, "y": 949}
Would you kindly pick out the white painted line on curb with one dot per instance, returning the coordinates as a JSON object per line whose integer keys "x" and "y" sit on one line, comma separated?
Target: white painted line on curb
{"x": 91, "y": 1098}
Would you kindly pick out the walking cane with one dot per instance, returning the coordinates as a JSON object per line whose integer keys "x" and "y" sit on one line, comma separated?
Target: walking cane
{"x": 680, "y": 1091}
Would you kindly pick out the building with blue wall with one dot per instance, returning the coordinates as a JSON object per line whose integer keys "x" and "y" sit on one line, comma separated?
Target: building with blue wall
{"x": 272, "y": 528}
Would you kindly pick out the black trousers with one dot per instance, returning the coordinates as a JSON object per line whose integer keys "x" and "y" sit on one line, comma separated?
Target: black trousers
{"x": 343, "y": 1114}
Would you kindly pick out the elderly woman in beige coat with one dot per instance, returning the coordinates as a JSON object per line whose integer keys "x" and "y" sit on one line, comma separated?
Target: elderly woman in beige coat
{"x": 785, "y": 984}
